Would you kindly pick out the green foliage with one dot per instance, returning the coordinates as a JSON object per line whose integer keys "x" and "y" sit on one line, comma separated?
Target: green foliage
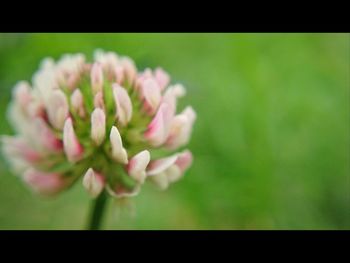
{"x": 270, "y": 144}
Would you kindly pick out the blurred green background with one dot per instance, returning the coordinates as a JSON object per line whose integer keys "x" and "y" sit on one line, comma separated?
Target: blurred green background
{"x": 271, "y": 142}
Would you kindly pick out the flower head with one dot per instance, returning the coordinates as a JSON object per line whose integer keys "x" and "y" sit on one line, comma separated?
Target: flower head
{"x": 103, "y": 122}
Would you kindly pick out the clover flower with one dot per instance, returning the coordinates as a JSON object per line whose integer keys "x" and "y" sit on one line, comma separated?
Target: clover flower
{"x": 103, "y": 122}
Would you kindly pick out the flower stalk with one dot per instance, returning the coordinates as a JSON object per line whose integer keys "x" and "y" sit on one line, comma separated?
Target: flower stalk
{"x": 98, "y": 207}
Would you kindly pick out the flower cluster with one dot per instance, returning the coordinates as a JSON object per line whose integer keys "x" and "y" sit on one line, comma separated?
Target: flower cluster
{"x": 106, "y": 122}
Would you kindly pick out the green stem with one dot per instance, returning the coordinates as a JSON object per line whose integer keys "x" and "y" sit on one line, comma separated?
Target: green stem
{"x": 97, "y": 209}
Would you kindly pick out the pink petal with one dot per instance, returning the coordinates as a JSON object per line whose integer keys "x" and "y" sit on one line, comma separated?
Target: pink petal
{"x": 46, "y": 136}
{"x": 157, "y": 130}
{"x": 36, "y": 108}
{"x": 17, "y": 147}
{"x": 184, "y": 160}
{"x": 72, "y": 147}
{"x": 44, "y": 183}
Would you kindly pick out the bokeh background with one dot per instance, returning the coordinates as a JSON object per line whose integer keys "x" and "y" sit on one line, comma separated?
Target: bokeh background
{"x": 271, "y": 142}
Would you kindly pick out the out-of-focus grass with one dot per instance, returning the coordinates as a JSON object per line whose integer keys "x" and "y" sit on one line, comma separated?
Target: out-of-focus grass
{"x": 271, "y": 142}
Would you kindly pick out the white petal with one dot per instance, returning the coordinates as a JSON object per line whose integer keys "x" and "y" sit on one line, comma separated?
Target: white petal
{"x": 98, "y": 100}
{"x": 160, "y": 165}
{"x": 161, "y": 180}
{"x": 123, "y": 104}
{"x": 118, "y": 152}
{"x": 18, "y": 119}
{"x": 98, "y": 126}
{"x": 151, "y": 94}
{"x": 96, "y": 78}
{"x": 173, "y": 173}
{"x": 57, "y": 109}
{"x": 44, "y": 82}
{"x": 190, "y": 113}
{"x": 137, "y": 166}
{"x": 119, "y": 74}
{"x": 129, "y": 68}
{"x": 162, "y": 78}
{"x": 171, "y": 95}
{"x": 21, "y": 94}
{"x": 108, "y": 60}
{"x": 77, "y": 102}
{"x": 181, "y": 129}
{"x": 179, "y": 132}
{"x": 93, "y": 182}
{"x": 119, "y": 193}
